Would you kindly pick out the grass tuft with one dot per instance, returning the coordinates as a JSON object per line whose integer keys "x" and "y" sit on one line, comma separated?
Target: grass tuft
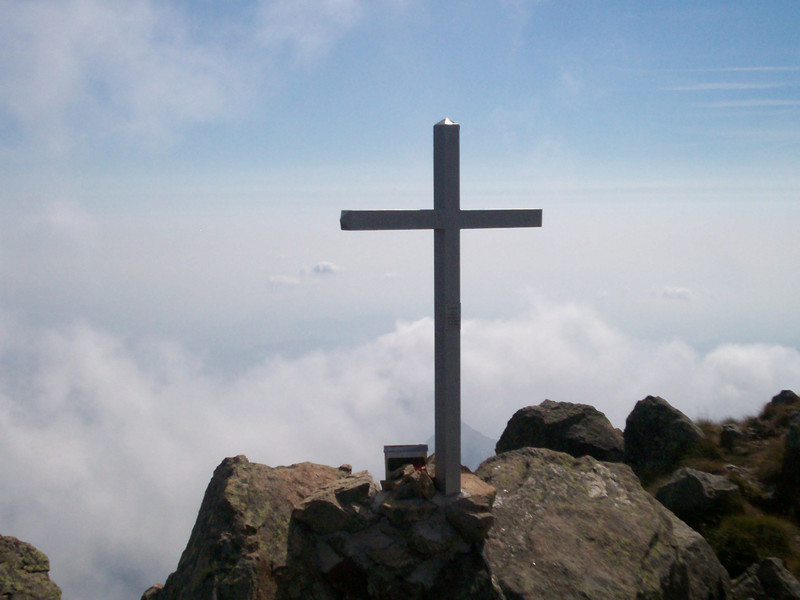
{"x": 740, "y": 540}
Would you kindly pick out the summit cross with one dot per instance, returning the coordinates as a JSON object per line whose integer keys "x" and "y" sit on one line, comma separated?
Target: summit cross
{"x": 447, "y": 220}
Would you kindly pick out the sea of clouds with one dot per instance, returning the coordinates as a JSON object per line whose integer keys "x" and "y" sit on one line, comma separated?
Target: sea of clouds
{"x": 108, "y": 441}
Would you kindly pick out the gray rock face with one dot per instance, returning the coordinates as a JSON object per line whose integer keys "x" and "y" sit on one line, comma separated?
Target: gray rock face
{"x": 657, "y": 437}
{"x": 785, "y": 397}
{"x": 577, "y": 429}
{"x": 239, "y": 540}
{"x": 350, "y": 541}
{"x": 24, "y": 572}
{"x": 570, "y": 527}
{"x": 768, "y": 579}
{"x": 695, "y": 496}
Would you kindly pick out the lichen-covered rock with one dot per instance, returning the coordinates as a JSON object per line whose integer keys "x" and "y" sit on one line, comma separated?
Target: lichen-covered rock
{"x": 657, "y": 437}
{"x": 570, "y": 527}
{"x": 577, "y": 429}
{"x": 696, "y": 496}
{"x": 767, "y": 579}
{"x": 24, "y": 572}
{"x": 239, "y": 540}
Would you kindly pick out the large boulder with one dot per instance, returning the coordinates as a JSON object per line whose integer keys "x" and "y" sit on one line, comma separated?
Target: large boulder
{"x": 767, "y": 579}
{"x": 657, "y": 437}
{"x": 776, "y": 415}
{"x": 568, "y": 527}
{"x": 696, "y": 496}
{"x": 577, "y": 429}
{"x": 239, "y": 541}
{"x": 24, "y": 572}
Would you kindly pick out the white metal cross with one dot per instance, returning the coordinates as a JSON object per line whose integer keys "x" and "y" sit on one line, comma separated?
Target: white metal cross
{"x": 447, "y": 220}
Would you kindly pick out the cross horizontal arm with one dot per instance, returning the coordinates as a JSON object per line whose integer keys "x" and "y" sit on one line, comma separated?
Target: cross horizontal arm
{"x": 496, "y": 219}
{"x": 358, "y": 220}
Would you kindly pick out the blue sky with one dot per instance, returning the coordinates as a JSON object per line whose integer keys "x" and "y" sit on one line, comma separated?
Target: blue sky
{"x": 174, "y": 286}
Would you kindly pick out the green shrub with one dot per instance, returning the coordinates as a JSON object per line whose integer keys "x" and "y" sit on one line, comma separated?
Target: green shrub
{"x": 740, "y": 540}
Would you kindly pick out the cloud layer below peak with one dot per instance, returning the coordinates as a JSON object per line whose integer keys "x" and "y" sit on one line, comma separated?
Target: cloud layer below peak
{"x": 122, "y": 434}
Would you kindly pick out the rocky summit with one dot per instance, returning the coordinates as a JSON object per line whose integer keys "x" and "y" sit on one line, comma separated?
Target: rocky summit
{"x": 543, "y": 519}
{"x": 531, "y": 523}
{"x": 24, "y": 572}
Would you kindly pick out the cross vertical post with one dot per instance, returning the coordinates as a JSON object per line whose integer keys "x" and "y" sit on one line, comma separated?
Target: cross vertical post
{"x": 447, "y": 220}
{"x": 447, "y": 307}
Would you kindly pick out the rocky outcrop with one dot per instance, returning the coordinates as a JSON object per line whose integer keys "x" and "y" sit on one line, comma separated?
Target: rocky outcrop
{"x": 768, "y": 579}
{"x": 351, "y": 541}
{"x": 785, "y": 398}
{"x": 657, "y": 437}
{"x": 577, "y": 429}
{"x": 24, "y": 572}
{"x": 570, "y": 527}
{"x": 533, "y": 523}
{"x": 311, "y": 531}
{"x": 696, "y": 497}
{"x": 537, "y": 523}
{"x": 776, "y": 415}
{"x": 239, "y": 541}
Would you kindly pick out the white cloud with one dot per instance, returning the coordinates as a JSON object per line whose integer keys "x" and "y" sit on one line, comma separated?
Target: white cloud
{"x": 108, "y": 442}
{"x": 676, "y": 293}
{"x": 324, "y": 268}
{"x": 321, "y": 268}
{"x": 306, "y": 28}
{"x": 83, "y": 68}
{"x": 280, "y": 280}
{"x": 81, "y": 71}
{"x": 704, "y": 87}
{"x": 751, "y": 103}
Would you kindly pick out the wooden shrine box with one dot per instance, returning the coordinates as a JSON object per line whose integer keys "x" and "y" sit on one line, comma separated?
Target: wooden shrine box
{"x": 397, "y": 456}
